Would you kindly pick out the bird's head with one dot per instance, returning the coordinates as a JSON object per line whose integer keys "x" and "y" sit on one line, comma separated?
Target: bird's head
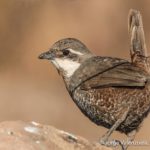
{"x": 67, "y": 55}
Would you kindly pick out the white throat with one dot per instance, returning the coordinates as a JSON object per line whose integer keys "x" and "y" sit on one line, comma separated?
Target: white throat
{"x": 67, "y": 65}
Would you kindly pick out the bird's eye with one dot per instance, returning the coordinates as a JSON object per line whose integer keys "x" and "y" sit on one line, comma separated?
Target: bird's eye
{"x": 65, "y": 52}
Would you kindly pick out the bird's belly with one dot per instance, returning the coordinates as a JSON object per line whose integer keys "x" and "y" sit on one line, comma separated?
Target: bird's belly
{"x": 104, "y": 106}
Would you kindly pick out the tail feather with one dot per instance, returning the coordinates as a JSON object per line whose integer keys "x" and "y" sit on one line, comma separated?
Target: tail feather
{"x": 138, "y": 50}
{"x": 136, "y": 31}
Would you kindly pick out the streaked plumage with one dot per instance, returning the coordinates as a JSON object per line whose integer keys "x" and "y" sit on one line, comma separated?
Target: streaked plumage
{"x": 111, "y": 92}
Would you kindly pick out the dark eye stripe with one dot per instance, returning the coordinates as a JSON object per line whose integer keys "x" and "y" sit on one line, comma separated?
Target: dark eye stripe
{"x": 65, "y": 52}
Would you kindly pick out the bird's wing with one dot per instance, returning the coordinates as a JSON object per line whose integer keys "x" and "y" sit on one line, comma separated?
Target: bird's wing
{"x": 113, "y": 73}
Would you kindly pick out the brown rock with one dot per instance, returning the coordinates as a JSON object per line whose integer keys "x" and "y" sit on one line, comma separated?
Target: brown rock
{"x": 19, "y": 135}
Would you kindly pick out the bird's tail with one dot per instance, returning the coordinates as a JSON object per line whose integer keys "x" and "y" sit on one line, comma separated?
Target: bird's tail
{"x": 138, "y": 50}
{"x": 136, "y": 32}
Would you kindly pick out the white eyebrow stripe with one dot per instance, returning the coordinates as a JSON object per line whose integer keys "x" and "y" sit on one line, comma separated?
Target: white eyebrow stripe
{"x": 75, "y": 52}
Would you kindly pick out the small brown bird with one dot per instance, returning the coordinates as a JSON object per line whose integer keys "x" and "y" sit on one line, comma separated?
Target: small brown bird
{"x": 111, "y": 92}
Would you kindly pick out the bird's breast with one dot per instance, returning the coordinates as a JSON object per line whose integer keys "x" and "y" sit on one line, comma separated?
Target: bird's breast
{"x": 103, "y": 106}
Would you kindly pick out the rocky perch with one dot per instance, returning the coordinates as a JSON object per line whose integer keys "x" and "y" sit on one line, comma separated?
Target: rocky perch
{"x": 19, "y": 135}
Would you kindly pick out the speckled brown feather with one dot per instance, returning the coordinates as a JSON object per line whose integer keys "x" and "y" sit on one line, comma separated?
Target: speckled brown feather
{"x": 104, "y": 95}
{"x": 111, "y": 92}
{"x": 103, "y": 86}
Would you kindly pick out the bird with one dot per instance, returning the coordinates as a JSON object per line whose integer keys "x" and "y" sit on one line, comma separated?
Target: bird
{"x": 112, "y": 92}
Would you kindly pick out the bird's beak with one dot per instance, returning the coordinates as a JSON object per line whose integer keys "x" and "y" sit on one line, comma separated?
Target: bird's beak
{"x": 46, "y": 55}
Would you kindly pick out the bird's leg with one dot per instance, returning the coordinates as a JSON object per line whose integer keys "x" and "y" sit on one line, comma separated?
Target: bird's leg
{"x": 130, "y": 138}
{"x": 105, "y": 137}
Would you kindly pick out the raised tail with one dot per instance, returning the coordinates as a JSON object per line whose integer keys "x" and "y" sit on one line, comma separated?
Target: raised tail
{"x": 136, "y": 32}
{"x": 138, "y": 50}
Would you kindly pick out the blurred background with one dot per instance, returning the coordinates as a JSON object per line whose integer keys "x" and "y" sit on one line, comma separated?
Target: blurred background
{"x": 31, "y": 89}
